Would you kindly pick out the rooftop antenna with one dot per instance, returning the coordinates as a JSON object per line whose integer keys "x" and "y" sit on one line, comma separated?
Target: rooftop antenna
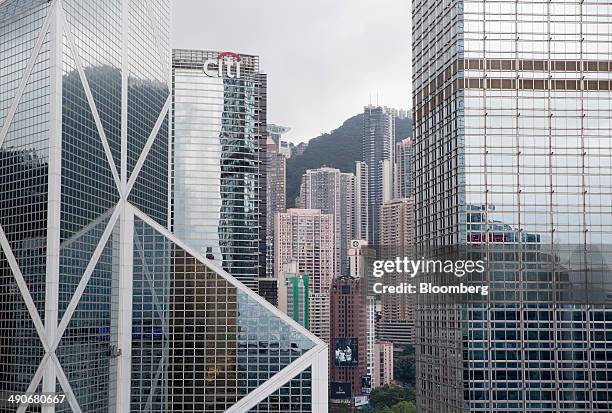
{"x": 370, "y": 99}
{"x": 377, "y": 98}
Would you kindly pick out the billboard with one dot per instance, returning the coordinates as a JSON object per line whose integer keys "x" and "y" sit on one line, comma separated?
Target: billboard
{"x": 346, "y": 352}
{"x": 361, "y": 401}
{"x": 340, "y": 391}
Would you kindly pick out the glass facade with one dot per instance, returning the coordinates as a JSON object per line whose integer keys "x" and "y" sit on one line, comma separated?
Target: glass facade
{"x": 295, "y": 396}
{"x": 98, "y": 300}
{"x": 276, "y": 189}
{"x": 151, "y": 331}
{"x": 88, "y": 194}
{"x": 204, "y": 343}
{"x": 24, "y": 165}
{"x": 149, "y": 65}
{"x": 378, "y": 148}
{"x": 68, "y": 135}
{"x": 218, "y": 153}
{"x": 512, "y": 106}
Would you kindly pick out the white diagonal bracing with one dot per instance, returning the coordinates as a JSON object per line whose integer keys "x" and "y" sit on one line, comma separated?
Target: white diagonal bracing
{"x": 277, "y": 381}
{"x": 63, "y": 380}
{"x": 154, "y": 384}
{"x": 50, "y": 349}
{"x": 54, "y": 195}
{"x": 26, "y": 75}
{"x": 70, "y": 397}
{"x": 147, "y": 147}
{"x": 125, "y": 27}
{"x": 23, "y": 288}
{"x": 314, "y": 355}
{"x": 147, "y": 273}
{"x": 86, "y": 229}
{"x": 76, "y": 298}
{"x": 227, "y": 276}
{"x": 35, "y": 381}
{"x": 92, "y": 104}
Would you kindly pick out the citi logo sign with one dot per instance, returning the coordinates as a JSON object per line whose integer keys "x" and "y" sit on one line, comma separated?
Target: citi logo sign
{"x": 227, "y": 64}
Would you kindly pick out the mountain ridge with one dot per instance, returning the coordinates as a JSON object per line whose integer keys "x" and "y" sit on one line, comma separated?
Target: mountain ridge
{"x": 340, "y": 149}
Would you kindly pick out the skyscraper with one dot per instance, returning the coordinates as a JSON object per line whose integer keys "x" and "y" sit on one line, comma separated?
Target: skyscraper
{"x": 99, "y": 301}
{"x": 371, "y": 307}
{"x": 361, "y": 262}
{"x": 294, "y": 293}
{"x": 404, "y": 169}
{"x": 348, "y": 219}
{"x": 362, "y": 217}
{"x": 383, "y": 364}
{"x": 276, "y": 164}
{"x": 513, "y": 152}
{"x": 348, "y": 335}
{"x": 307, "y": 237}
{"x": 219, "y": 159}
{"x": 297, "y": 299}
{"x": 83, "y": 144}
{"x": 333, "y": 192}
{"x": 276, "y": 132}
{"x": 378, "y": 146}
{"x": 318, "y": 310}
{"x": 361, "y": 259}
{"x": 396, "y": 323}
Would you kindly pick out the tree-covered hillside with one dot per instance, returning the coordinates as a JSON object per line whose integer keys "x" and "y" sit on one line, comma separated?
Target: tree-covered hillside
{"x": 340, "y": 149}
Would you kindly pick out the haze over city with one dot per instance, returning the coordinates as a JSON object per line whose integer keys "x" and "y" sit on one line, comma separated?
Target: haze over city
{"x": 324, "y": 59}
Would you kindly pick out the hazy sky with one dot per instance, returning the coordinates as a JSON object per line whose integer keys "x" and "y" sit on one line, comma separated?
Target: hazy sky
{"x": 323, "y": 57}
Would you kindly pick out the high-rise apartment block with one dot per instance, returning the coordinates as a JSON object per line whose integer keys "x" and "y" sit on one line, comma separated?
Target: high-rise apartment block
{"x": 362, "y": 217}
{"x": 383, "y": 364}
{"x": 333, "y": 192}
{"x": 318, "y": 308}
{"x": 218, "y": 204}
{"x": 372, "y": 313}
{"x": 378, "y": 146}
{"x": 512, "y": 107}
{"x": 298, "y": 299}
{"x": 100, "y": 301}
{"x": 306, "y": 236}
{"x": 361, "y": 259}
{"x": 396, "y": 323}
{"x": 294, "y": 294}
{"x": 361, "y": 262}
{"x": 276, "y": 198}
{"x": 403, "y": 179}
{"x": 397, "y": 240}
{"x": 347, "y": 220}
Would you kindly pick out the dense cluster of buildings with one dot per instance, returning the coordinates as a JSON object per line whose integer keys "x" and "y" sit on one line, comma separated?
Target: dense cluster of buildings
{"x": 149, "y": 262}
{"x": 345, "y": 221}
{"x": 133, "y": 220}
